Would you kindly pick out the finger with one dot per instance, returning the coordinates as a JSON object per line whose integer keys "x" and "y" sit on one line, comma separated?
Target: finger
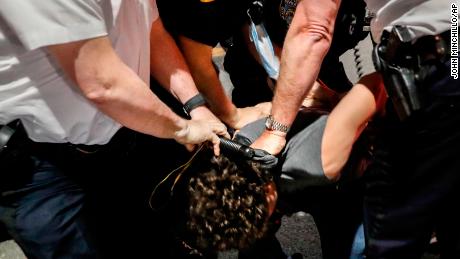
{"x": 216, "y": 144}
{"x": 226, "y": 135}
{"x": 220, "y": 129}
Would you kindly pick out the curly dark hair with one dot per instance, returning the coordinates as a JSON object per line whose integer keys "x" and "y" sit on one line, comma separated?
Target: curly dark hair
{"x": 227, "y": 205}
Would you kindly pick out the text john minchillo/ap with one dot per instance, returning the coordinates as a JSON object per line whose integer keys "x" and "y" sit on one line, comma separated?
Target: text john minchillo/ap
{"x": 454, "y": 40}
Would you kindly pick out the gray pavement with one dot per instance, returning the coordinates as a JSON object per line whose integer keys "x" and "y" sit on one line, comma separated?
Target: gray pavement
{"x": 9, "y": 250}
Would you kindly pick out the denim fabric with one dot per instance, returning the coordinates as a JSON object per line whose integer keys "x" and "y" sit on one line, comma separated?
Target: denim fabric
{"x": 58, "y": 201}
{"x": 359, "y": 244}
{"x": 45, "y": 216}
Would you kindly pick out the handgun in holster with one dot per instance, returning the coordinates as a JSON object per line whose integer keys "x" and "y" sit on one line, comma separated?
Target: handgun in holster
{"x": 395, "y": 59}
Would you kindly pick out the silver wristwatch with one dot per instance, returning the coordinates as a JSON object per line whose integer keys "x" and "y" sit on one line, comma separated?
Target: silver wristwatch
{"x": 271, "y": 124}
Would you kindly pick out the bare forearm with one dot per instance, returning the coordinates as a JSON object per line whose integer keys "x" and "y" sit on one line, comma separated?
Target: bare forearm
{"x": 136, "y": 107}
{"x": 306, "y": 44}
{"x": 296, "y": 79}
{"x": 112, "y": 86}
{"x": 219, "y": 103}
{"x": 199, "y": 59}
{"x": 168, "y": 66}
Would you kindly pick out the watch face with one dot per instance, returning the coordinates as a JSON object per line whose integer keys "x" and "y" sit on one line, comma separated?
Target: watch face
{"x": 268, "y": 123}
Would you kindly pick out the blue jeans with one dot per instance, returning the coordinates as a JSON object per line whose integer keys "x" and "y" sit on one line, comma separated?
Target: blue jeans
{"x": 59, "y": 202}
{"x": 359, "y": 244}
{"x": 46, "y": 215}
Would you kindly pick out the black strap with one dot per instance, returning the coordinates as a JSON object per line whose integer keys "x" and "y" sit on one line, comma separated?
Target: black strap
{"x": 194, "y": 102}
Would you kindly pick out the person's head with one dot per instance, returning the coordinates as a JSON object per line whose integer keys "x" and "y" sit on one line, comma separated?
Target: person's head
{"x": 229, "y": 204}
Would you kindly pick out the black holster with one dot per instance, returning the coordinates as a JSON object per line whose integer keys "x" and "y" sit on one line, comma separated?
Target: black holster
{"x": 15, "y": 162}
{"x": 404, "y": 66}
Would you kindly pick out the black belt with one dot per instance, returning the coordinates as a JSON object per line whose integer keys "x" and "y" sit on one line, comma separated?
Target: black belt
{"x": 433, "y": 47}
{"x": 13, "y": 137}
{"x": 18, "y": 153}
{"x": 401, "y": 51}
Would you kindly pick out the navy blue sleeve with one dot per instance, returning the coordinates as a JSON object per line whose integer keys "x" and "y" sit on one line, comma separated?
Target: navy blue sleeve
{"x": 207, "y": 22}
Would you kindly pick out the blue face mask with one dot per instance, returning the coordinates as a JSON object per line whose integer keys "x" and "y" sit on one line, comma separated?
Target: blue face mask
{"x": 259, "y": 36}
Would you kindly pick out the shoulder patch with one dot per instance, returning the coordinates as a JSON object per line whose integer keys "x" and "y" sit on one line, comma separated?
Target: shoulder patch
{"x": 287, "y": 9}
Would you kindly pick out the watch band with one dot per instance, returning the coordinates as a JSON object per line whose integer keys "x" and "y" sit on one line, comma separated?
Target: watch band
{"x": 272, "y": 124}
{"x": 194, "y": 102}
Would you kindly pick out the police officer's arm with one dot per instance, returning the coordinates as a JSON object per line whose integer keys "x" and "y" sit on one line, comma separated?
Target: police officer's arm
{"x": 307, "y": 42}
{"x": 117, "y": 91}
{"x": 199, "y": 58}
{"x": 168, "y": 66}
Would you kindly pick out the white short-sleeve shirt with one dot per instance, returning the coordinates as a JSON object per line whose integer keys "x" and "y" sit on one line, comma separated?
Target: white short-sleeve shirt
{"x": 422, "y": 17}
{"x": 34, "y": 89}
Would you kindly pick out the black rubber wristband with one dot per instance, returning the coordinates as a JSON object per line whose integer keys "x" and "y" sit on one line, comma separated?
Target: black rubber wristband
{"x": 194, "y": 102}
